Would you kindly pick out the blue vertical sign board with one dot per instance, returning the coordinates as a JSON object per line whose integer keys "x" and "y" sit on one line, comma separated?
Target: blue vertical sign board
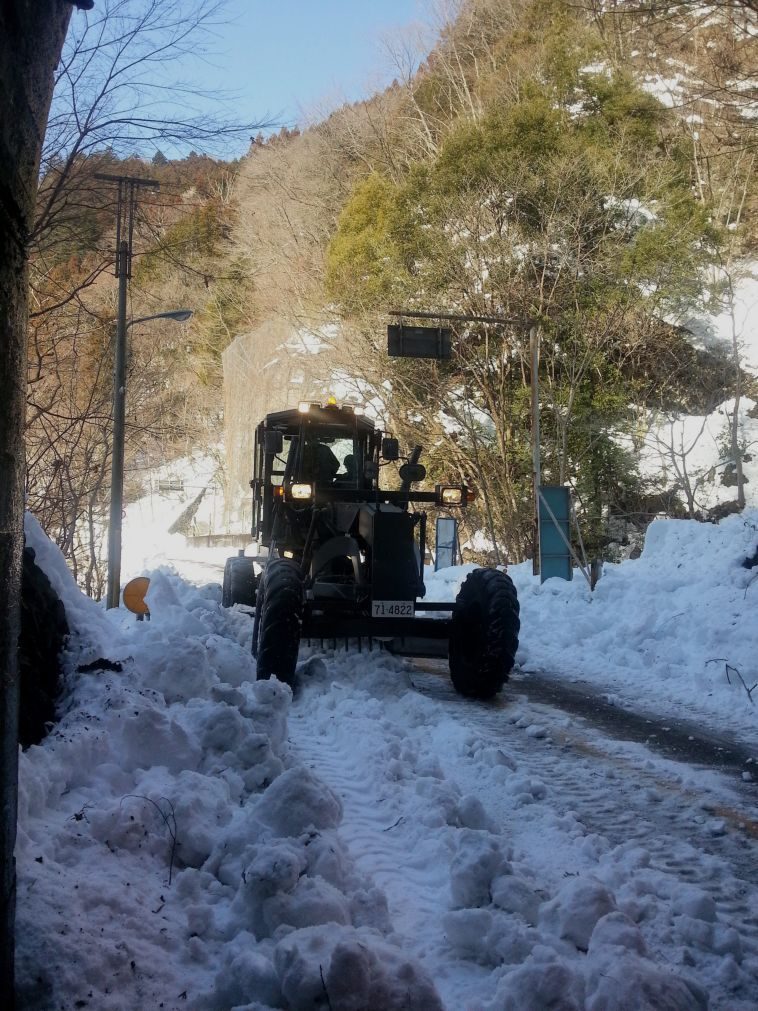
{"x": 555, "y": 557}
{"x": 446, "y": 539}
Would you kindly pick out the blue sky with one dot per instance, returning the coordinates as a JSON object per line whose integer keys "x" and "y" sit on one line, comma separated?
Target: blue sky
{"x": 285, "y": 58}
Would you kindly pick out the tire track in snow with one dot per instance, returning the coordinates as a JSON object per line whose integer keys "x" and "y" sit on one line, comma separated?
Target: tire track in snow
{"x": 602, "y": 789}
{"x": 368, "y": 825}
{"x": 652, "y": 805}
{"x": 375, "y": 828}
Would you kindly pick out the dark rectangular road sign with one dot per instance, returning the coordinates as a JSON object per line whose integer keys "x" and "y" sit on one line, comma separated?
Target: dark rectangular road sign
{"x": 418, "y": 341}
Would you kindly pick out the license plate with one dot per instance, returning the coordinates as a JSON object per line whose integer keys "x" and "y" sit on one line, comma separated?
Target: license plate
{"x": 392, "y": 608}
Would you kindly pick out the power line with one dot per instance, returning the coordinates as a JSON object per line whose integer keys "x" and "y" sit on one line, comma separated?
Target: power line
{"x": 126, "y": 205}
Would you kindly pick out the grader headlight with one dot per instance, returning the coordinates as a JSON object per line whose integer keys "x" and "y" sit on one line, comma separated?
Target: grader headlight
{"x": 301, "y": 492}
{"x": 451, "y": 494}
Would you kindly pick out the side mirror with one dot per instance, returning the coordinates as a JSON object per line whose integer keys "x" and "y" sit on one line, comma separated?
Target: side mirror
{"x": 410, "y": 473}
{"x": 273, "y": 442}
{"x": 390, "y": 449}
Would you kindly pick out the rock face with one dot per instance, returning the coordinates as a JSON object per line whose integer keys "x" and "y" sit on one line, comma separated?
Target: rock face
{"x": 43, "y": 634}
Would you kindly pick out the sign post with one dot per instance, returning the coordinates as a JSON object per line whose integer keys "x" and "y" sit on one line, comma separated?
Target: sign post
{"x": 554, "y": 532}
{"x": 446, "y": 542}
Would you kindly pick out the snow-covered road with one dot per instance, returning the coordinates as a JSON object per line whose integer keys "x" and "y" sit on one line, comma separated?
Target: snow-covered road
{"x": 433, "y": 785}
{"x": 681, "y": 739}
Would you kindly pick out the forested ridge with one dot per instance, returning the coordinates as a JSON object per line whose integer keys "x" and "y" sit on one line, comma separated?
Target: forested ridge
{"x": 583, "y": 169}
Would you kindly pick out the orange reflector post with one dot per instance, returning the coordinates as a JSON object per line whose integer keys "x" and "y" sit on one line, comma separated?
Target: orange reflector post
{"x": 134, "y": 595}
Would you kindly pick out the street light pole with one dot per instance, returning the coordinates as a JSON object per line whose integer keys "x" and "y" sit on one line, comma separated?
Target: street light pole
{"x": 119, "y": 417}
{"x": 113, "y": 591}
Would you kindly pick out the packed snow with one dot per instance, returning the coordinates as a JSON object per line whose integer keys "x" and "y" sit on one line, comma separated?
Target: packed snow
{"x": 190, "y": 837}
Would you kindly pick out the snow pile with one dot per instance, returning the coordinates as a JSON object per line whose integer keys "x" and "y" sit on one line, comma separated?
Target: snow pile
{"x": 659, "y": 630}
{"x": 497, "y": 879}
{"x": 85, "y": 618}
{"x": 171, "y": 851}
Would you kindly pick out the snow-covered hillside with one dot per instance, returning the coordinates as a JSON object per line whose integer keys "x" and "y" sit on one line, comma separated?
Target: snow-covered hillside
{"x": 694, "y": 452}
{"x": 190, "y": 837}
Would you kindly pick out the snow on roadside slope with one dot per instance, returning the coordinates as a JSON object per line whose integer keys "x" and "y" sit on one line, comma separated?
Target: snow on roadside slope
{"x": 694, "y": 451}
{"x": 171, "y": 854}
{"x": 169, "y": 491}
{"x": 434, "y": 862}
{"x": 657, "y": 631}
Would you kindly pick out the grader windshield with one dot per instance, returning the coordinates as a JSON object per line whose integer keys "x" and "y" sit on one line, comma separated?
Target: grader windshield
{"x": 301, "y": 455}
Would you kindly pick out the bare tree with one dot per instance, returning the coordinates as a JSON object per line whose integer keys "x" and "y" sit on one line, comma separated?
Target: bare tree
{"x": 673, "y": 8}
{"x": 736, "y": 449}
{"x": 675, "y": 446}
{"x": 441, "y": 67}
{"x": 68, "y": 433}
{"x": 115, "y": 93}
{"x": 713, "y": 42}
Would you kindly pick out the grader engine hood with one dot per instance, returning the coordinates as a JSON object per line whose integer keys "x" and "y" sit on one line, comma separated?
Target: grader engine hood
{"x": 395, "y": 558}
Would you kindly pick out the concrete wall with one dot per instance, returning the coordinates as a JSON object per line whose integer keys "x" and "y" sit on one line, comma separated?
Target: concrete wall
{"x": 268, "y": 369}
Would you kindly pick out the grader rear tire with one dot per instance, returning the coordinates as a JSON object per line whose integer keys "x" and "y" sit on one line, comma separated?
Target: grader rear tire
{"x": 484, "y": 633}
{"x": 260, "y": 598}
{"x": 239, "y": 584}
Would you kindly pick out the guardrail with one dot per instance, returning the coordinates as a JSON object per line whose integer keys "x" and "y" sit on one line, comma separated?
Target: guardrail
{"x": 219, "y": 540}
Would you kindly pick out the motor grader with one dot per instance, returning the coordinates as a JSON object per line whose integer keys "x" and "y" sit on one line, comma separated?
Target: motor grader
{"x": 344, "y": 556}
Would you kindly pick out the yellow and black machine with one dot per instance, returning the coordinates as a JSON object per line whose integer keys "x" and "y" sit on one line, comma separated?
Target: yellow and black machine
{"x": 344, "y": 557}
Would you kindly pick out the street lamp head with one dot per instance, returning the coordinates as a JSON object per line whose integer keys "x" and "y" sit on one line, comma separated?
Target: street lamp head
{"x": 180, "y": 315}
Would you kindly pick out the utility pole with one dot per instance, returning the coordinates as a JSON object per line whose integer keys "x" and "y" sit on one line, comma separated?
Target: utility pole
{"x": 534, "y": 347}
{"x": 125, "y": 208}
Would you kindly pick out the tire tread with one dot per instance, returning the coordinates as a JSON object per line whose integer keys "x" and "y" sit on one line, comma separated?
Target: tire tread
{"x": 279, "y": 621}
{"x": 484, "y": 633}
